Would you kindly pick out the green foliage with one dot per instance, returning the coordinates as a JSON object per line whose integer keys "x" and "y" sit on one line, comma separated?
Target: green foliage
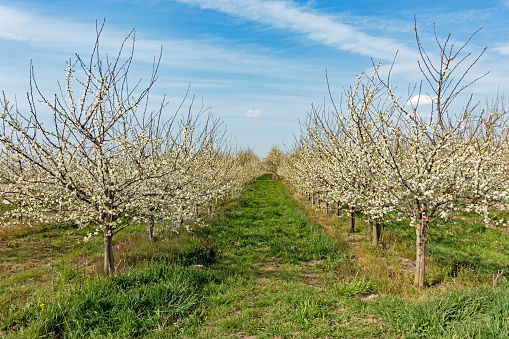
{"x": 4, "y": 208}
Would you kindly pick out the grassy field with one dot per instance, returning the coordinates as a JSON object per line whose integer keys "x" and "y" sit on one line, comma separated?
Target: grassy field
{"x": 268, "y": 266}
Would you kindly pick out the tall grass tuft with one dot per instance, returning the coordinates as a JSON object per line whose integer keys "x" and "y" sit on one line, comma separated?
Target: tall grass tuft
{"x": 480, "y": 313}
{"x": 125, "y": 305}
{"x": 358, "y": 286}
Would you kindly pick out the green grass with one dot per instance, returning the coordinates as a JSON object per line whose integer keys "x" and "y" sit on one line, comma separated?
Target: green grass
{"x": 283, "y": 275}
{"x": 45, "y": 263}
{"x": 126, "y": 305}
{"x": 36, "y": 260}
{"x": 462, "y": 244}
{"x": 262, "y": 269}
{"x": 154, "y": 291}
{"x": 480, "y": 313}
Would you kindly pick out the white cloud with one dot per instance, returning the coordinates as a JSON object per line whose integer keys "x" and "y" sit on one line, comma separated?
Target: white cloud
{"x": 502, "y": 49}
{"x": 220, "y": 57}
{"x": 253, "y": 113}
{"x": 421, "y": 99}
{"x": 322, "y": 28}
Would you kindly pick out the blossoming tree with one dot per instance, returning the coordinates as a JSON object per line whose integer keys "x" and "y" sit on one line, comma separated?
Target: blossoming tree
{"x": 386, "y": 154}
{"x": 106, "y": 160}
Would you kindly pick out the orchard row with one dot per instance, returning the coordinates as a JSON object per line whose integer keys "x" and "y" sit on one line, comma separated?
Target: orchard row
{"x": 388, "y": 156}
{"x": 107, "y": 158}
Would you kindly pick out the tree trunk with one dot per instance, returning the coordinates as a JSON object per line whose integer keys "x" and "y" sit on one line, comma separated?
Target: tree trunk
{"x": 326, "y": 208}
{"x": 418, "y": 246}
{"x": 376, "y": 232}
{"x": 352, "y": 219}
{"x": 312, "y": 199}
{"x": 151, "y": 223}
{"x": 109, "y": 260}
{"x": 210, "y": 209}
{"x": 423, "y": 255}
{"x": 420, "y": 260}
{"x": 339, "y": 209}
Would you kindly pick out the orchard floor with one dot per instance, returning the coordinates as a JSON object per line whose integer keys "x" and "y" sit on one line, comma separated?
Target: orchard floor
{"x": 287, "y": 278}
{"x": 291, "y": 277}
{"x": 269, "y": 266}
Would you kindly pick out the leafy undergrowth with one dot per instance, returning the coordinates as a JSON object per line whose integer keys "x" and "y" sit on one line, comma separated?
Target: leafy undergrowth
{"x": 264, "y": 268}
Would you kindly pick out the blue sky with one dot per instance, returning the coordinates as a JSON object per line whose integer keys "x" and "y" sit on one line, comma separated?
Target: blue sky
{"x": 258, "y": 64}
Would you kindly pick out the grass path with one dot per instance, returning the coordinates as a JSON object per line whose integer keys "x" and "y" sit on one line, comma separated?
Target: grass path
{"x": 284, "y": 275}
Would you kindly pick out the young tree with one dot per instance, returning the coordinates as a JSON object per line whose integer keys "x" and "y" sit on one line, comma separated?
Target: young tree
{"x": 388, "y": 155}
{"x": 432, "y": 155}
{"x": 90, "y": 164}
{"x": 273, "y": 161}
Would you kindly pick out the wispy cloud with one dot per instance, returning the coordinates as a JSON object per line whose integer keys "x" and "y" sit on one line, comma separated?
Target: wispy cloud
{"x": 319, "y": 27}
{"x": 58, "y": 35}
{"x": 234, "y": 69}
{"x": 10, "y": 21}
{"x": 253, "y": 113}
{"x": 219, "y": 57}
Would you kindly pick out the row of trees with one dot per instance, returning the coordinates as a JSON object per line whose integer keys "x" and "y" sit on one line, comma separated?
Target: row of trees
{"x": 105, "y": 159}
{"x": 385, "y": 155}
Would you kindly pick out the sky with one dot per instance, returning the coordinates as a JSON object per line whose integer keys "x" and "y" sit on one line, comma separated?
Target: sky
{"x": 258, "y": 64}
